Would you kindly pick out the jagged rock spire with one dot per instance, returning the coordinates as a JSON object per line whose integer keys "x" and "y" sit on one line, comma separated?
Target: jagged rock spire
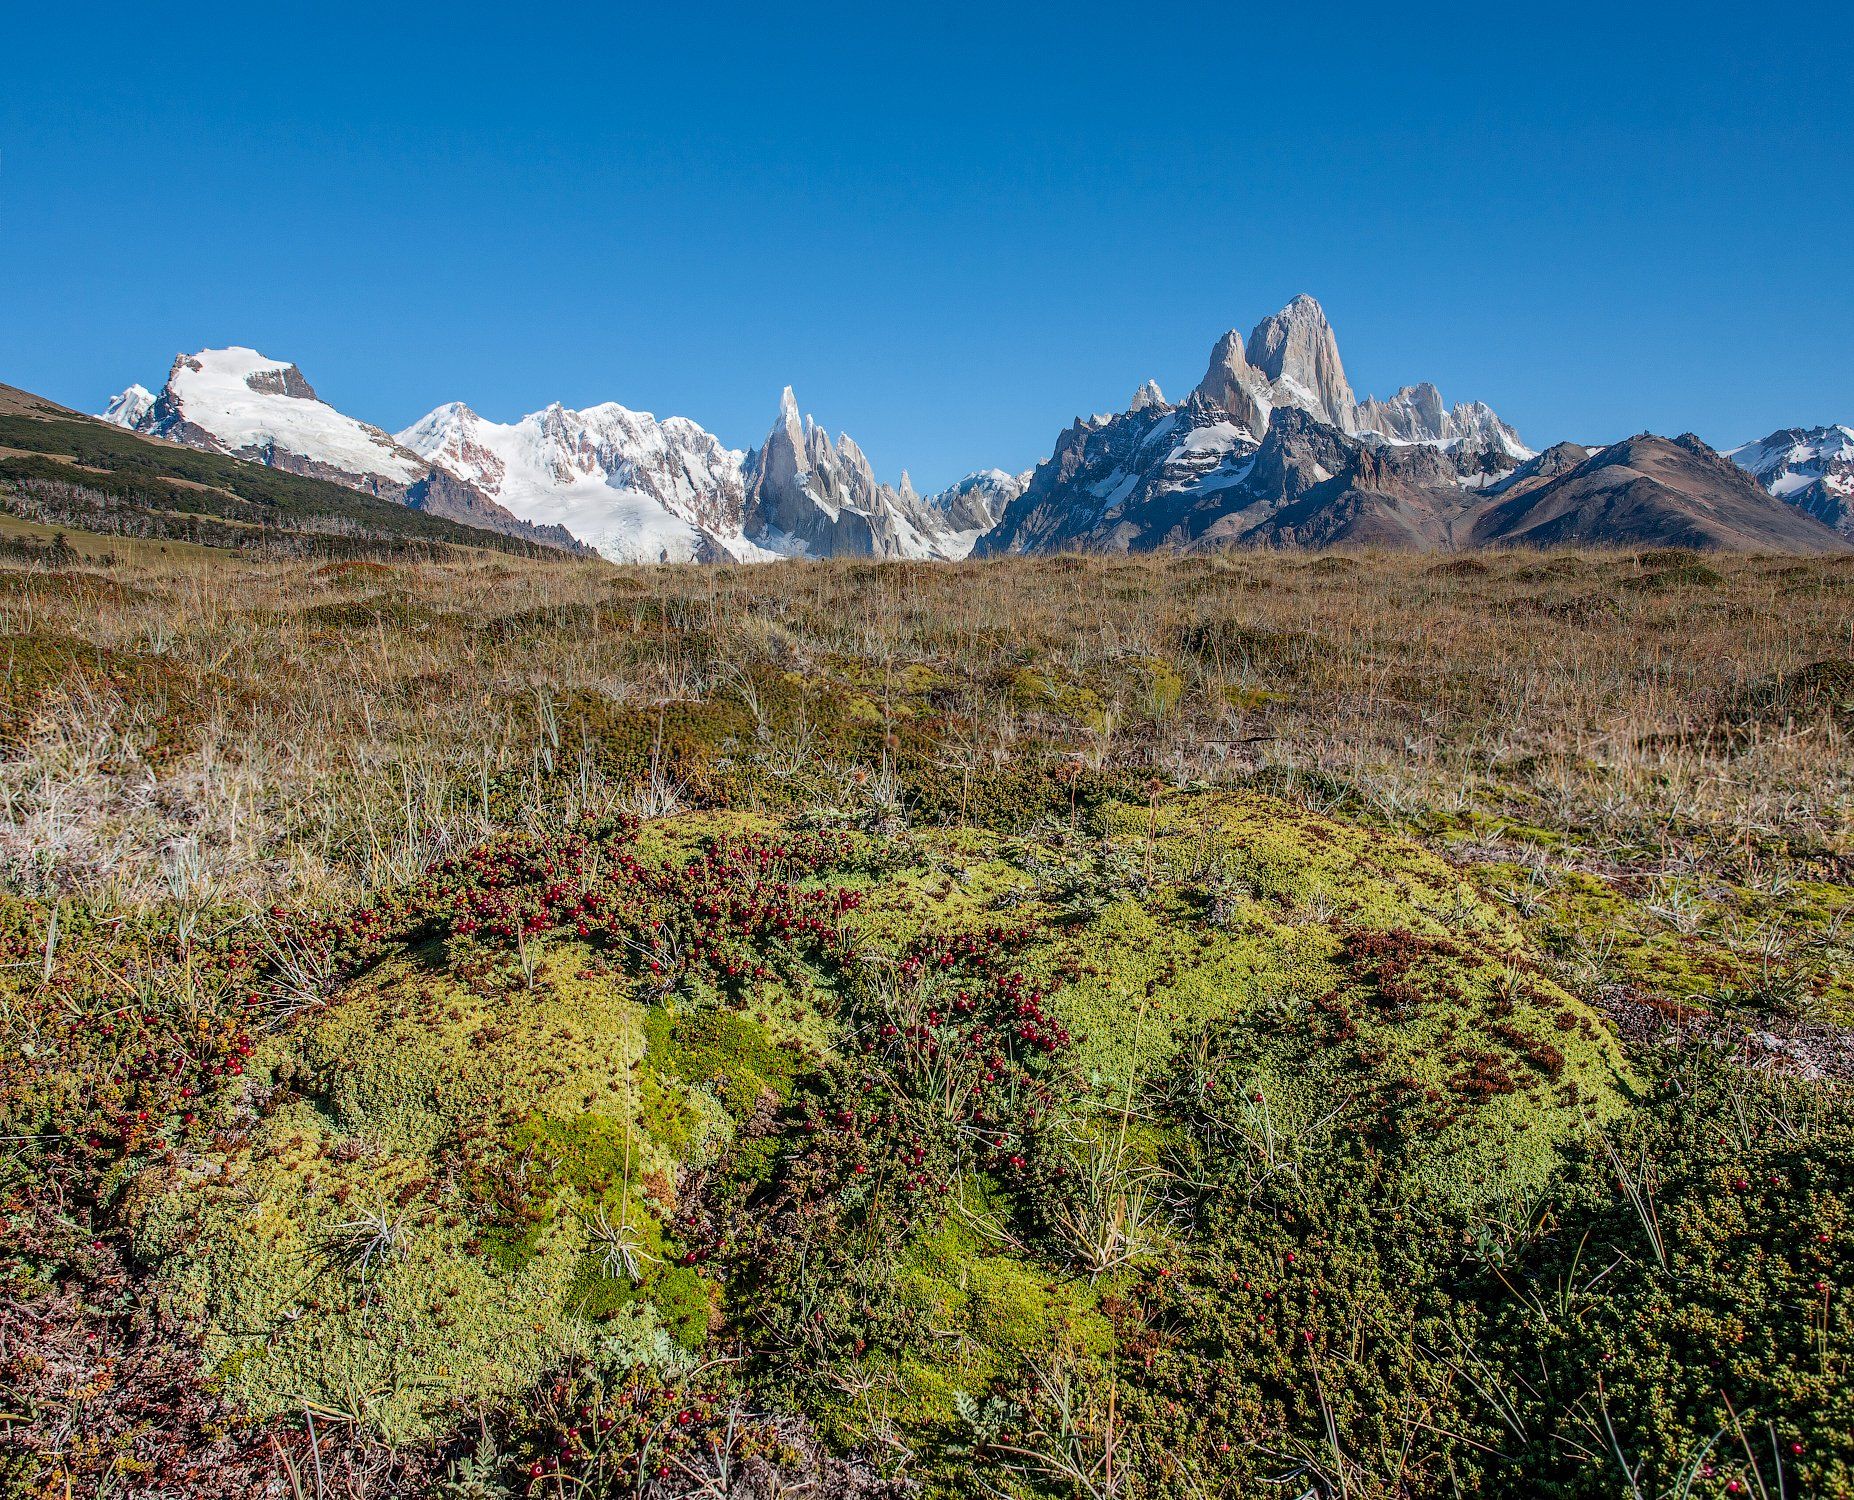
{"x": 1296, "y": 347}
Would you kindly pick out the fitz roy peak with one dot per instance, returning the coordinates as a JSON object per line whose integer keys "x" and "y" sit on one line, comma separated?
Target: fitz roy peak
{"x": 1273, "y": 448}
{"x": 1291, "y": 358}
{"x": 1273, "y": 416}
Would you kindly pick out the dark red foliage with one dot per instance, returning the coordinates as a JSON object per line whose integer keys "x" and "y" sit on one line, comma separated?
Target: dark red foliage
{"x": 739, "y": 911}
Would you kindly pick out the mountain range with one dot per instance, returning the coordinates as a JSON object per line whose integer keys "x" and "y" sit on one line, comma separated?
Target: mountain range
{"x": 1271, "y": 448}
{"x": 630, "y": 486}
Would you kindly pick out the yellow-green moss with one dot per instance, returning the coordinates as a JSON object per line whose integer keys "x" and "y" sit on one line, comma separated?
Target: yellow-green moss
{"x": 734, "y": 1056}
{"x": 1215, "y": 914}
{"x": 242, "y": 1242}
{"x": 986, "y": 1311}
{"x": 1144, "y": 974}
{"x": 414, "y": 1050}
{"x": 1049, "y": 693}
{"x": 412, "y": 1059}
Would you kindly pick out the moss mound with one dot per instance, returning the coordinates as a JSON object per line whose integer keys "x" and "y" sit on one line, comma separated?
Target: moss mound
{"x": 867, "y": 1109}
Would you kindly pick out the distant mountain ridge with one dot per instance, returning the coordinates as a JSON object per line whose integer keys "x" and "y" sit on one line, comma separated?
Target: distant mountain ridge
{"x": 1810, "y": 467}
{"x": 1271, "y": 448}
{"x": 1647, "y": 491}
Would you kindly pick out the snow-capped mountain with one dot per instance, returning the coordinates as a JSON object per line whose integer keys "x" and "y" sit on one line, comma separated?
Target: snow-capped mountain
{"x": 810, "y": 495}
{"x": 1416, "y": 415}
{"x": 1187, "y": 485}
{"x": 640, "y": 489}
{"x": 1291, "y": 358}
{"x": 1810, "y": 467}
{"x": 127, "y": 408}
{"x": 974, "y": 504}
{"x": 635, "y": 488}
{"x": 1163, "y": 475}
{"x": 1271, "y": 447}
{"x": 1113, "y": 479}
{"x": 237, "y": 402}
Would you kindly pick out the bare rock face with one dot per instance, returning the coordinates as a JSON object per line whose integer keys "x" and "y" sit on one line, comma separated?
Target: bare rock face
{"x": 1541, "y": 469}
{"x": 1300, "y": 453}
{"x": 443, "y": 494}
{"x": 805, "y": 494}
{"x": 1147, "y": 395}
{"x": 1296, "y": 351}
{"x": 288, "y": 381}
{"x": 1234, "y": 385}
{"x": 1127, "y": 482}
{"x": 810, "y": 495}
{"x": 1414, "y": 413}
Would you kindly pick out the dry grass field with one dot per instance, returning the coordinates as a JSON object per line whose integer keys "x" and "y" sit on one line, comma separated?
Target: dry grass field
{"x": 1418, "y": 1065}
{"x": 313, "y": 731}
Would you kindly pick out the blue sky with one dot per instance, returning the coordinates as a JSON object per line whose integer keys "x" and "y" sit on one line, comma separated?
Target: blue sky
{"x": 951, "y": 229}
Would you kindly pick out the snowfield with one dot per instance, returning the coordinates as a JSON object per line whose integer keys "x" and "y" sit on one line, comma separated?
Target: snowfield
{"x": 242, "y": 401}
